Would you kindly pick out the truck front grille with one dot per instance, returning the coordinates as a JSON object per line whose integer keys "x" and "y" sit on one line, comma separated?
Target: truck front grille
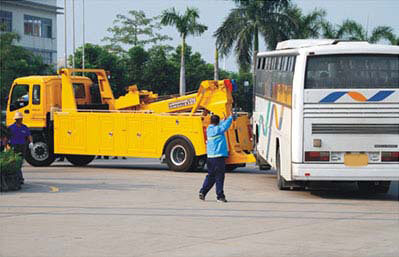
{"x": 355, "y": 128}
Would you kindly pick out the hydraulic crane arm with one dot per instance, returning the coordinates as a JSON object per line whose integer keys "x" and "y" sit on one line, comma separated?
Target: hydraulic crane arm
{"x": 214, "y": 96}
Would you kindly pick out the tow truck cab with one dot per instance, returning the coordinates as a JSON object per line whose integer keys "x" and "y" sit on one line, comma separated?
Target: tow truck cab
{"x": 34, "y": 97}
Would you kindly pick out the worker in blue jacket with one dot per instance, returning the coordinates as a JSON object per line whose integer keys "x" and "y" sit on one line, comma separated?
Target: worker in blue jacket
{"x": 216, "y": 148}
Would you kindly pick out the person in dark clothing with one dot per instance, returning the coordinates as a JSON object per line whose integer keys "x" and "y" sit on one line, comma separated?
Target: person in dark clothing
{"x": 216, "y": 152}
{"x": 19, "y": 135}
{"x": 3, "y": 138}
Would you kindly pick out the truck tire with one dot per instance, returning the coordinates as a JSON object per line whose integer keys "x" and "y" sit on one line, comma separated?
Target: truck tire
{"x": 281, "y": 183}
{"x": 373, "y": 187}
{"x": 41, "y": 154}
{"x": 180, "y": 155}
{"x": 80, "y": 160}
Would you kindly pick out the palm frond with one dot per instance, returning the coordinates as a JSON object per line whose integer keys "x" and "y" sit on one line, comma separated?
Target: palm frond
{"x": 243, "y": 48}
{"x": 226, "y": 34}
{"x": 170, "y": 17}
{"x": 382, "y": 32}
{"x": 328, "y": 30}
{"x": 352, "y": 30}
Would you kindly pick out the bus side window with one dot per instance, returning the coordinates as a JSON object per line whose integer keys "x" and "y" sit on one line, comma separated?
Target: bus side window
{"x": 263, "y": 63}
{"x": 257, "y": 134}
{"x": 267, "y": 66}
{"x": 259, "y": 62}
{"x": 36, "y": 94}
{"x": 273, "y": 64}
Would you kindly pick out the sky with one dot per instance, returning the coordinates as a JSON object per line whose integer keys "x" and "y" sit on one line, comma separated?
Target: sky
{"x": 99, "y": 15}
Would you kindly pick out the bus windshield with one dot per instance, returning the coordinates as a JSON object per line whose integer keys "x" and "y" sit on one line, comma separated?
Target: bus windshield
{"x": 352, "y": 71}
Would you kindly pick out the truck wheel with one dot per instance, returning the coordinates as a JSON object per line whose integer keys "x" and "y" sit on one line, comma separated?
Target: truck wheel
{"x": 179, "y": 155}
{"x": 281, "y": 183}
{"x": 41, "y": 154}
{"x": 373, "y": 187}
{"x": 80, "y": 160}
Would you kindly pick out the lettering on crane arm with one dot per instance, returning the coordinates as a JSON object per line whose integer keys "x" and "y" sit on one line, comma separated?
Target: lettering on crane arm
{"x": 182, "y": 103}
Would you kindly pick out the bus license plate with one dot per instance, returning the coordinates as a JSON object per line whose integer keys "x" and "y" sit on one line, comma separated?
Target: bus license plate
{"x": 356, "y": 159}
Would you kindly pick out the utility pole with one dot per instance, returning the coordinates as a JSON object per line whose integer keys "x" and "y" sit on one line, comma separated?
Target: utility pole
{"x": 83, "y": 48}
{"x": 65, "y": 35}
{"x": 73, "y": 33}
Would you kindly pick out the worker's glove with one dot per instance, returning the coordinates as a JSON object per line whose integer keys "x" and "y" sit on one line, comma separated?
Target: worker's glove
{"x": 30, "y": 145}
{"x": 235, "y": 116}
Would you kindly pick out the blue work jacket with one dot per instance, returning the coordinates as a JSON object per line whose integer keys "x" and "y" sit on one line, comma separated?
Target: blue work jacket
{"x": 216, "y": 141}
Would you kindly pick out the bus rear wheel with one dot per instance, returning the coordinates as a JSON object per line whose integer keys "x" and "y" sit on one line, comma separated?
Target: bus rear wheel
{"x": 80, "y": 160}
{"x": 373, "y": 187}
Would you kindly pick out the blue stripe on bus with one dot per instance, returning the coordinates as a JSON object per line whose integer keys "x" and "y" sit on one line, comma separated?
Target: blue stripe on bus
{"x": 332, "y": 97}
{"x": 381, "y": 95}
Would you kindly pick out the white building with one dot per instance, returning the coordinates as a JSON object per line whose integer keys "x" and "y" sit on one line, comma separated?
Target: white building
{"x": 36, "y": 23}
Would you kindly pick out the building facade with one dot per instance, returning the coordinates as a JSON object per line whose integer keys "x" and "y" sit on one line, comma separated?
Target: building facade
{"x": 36, "y": 23}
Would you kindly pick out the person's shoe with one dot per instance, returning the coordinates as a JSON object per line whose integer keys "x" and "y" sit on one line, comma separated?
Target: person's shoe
{"x": 201, "y": 196}
{"x": 222, "y": 200}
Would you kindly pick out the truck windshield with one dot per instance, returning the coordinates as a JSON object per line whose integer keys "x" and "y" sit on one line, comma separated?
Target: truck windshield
{"x": 19, "y": 97}
{"x": 352, "y": 71}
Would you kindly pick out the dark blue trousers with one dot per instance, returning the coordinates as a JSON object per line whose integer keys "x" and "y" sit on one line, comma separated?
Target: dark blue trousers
{"x": 216, "y": 169}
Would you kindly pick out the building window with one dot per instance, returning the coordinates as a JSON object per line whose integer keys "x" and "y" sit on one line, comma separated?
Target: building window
{"x": 5, "y": 21}
{"x": 37, "y": 27}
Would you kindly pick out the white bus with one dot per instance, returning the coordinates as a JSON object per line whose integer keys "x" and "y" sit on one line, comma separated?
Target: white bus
{"x": 328, "y": 110}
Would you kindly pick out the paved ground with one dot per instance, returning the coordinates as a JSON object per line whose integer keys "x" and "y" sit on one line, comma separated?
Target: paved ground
{"x": 138, "y": 208}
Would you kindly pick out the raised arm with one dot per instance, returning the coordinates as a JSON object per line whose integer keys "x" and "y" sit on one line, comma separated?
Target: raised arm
{"x": 224, "y": 125}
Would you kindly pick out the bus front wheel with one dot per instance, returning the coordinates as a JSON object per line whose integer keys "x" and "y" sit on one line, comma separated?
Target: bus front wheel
{"x": 281, "y": 183}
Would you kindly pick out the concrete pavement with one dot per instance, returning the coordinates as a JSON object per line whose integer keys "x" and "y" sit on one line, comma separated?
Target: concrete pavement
{"x": 139, "y": 208}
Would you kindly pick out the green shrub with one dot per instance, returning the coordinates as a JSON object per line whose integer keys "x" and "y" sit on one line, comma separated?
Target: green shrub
{"x": 10, "y": 161}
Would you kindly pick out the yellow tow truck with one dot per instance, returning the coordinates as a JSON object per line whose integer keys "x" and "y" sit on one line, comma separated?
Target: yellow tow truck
{"x": 72, "y": 116}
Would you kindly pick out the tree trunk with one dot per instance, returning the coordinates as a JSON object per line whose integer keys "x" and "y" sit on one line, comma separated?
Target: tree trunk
{"x": 182, "y": 68}
{"x": 216, "y": 67}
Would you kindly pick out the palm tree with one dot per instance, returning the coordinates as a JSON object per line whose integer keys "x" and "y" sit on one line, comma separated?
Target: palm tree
{"x": 306, "y": 25}
{"x": 384, "y": 32}
{"x": 244, "y": 24}
{"x": 352, "y": 30}
{"x": 186, "y": 25}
